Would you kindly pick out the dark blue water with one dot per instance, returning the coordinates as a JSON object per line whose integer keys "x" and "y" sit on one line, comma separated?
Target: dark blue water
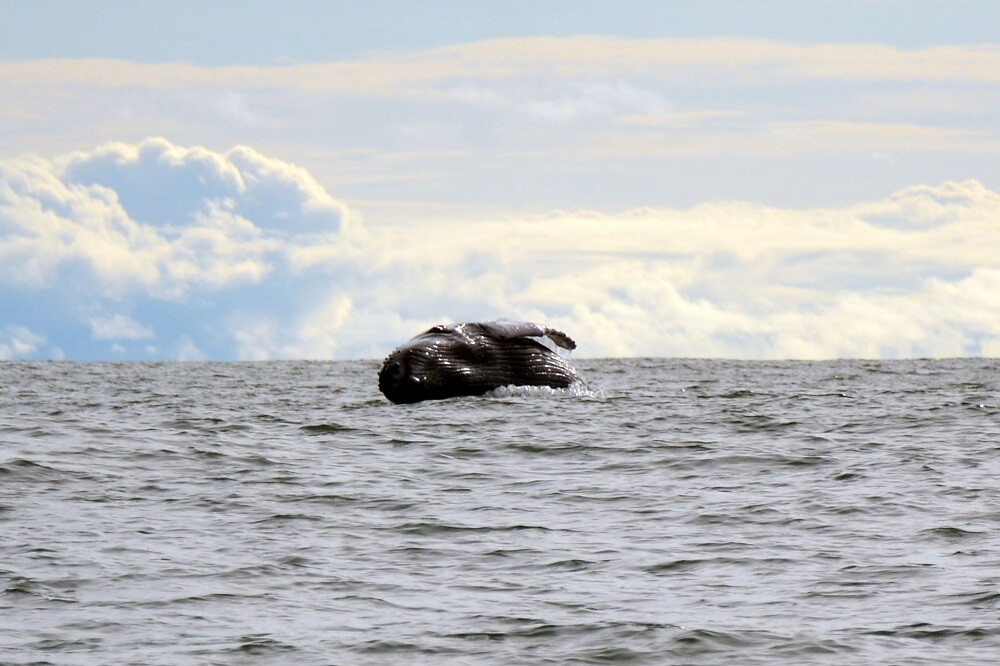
{"x": 699, "y": 512}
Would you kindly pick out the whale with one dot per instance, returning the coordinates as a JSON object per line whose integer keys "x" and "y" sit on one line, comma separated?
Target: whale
{"x": 472, "y": 358}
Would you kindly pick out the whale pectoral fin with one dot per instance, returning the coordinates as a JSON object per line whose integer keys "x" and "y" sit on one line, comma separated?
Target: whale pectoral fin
{"x": 505, "y": 330}
{"x": 560, "y": 338}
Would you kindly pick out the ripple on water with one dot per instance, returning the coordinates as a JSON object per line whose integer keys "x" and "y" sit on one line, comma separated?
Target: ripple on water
{"x": 671, "y": 511}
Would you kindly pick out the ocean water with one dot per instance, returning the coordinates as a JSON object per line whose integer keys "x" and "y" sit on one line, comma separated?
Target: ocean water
{"x": 673, "y": 511}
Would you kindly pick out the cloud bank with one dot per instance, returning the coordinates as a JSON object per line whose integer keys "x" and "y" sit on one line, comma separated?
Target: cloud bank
{"x": 539, "y": 123}
{"x": 157, "y": 251}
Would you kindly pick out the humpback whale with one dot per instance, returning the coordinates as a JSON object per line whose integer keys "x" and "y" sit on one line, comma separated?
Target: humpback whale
{"x": 453, "y": 360}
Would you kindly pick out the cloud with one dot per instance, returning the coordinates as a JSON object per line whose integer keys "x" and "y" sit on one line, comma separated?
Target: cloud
{"x": 252, "y": 259}
{"x": 390, "y": 73}
{"x": 611, "y": 186}
{"x": 177, "y": 232}
{"x": 162, "y": 184}
{"x": 157, "y": 217}
{"x": 594, "y": 99}
{"x": 315, "y": 333}
{"x": 534, "y": 123}
{"x": 910, "y": 275}
{"x": 19, "y": 342}
{"x": 119, "y": 327}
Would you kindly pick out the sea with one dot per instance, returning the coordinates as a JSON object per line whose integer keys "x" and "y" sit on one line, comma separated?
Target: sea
{"x": 665, "y": 511}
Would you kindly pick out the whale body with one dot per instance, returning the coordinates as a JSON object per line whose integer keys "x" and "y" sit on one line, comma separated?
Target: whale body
{"x": 454, "y": 360}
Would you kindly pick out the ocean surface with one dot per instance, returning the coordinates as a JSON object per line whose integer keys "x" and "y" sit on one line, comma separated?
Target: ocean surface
{"x": 671, "y": 511}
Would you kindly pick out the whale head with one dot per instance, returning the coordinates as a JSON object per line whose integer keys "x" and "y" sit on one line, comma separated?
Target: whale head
{"x": 422, "y": 369}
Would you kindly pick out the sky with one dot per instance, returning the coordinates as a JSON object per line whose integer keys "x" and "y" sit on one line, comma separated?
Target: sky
{"x": 324, "y": 180}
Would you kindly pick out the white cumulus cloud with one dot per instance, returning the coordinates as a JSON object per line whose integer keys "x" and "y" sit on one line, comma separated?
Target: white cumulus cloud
{"x": 160, "y": 183}
{"x": 157, "y": 217}
{"x": 189, "y": 234}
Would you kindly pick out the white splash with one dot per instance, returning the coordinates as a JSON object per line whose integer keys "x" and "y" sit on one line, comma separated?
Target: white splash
{"x": 577, "y": 389}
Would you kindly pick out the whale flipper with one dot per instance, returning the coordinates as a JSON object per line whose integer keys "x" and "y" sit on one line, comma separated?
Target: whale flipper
{"x": 505, "y": 329}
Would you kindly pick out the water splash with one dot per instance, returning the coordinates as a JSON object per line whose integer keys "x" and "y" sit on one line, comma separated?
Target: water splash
{"x": 577, "y": 389}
